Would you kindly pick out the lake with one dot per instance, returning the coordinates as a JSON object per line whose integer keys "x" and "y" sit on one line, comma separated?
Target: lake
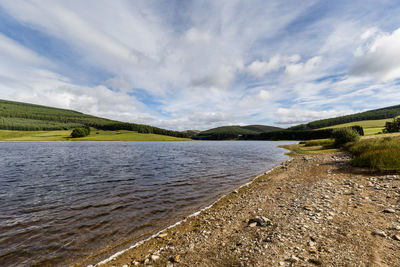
{"x": 62, "y": 202}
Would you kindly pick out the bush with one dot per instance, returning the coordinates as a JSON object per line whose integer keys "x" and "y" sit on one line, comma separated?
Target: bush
{"x": 392, "y": 127}
{"x": 343, "y": 136}
{"x": 80, "y": 132}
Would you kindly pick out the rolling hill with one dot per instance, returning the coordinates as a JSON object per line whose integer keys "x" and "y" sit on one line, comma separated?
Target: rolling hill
{"x": 233, "y": 132}
{"x": 376, "y": 114}
{"x": 18, "y": 116}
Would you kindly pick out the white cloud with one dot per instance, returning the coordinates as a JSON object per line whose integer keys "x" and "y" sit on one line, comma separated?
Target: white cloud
{"x": 194, "y": 63}
{"x": 378, "y": 56}
{"x": 301, "y": 68}
{"x": 296, "y": 115}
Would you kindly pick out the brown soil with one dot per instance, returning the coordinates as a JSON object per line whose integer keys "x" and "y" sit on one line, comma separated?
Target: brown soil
{"x": 312, "y": 210}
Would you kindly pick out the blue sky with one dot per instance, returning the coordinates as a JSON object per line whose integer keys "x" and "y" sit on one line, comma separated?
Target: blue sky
{"x": 201, "y": 64}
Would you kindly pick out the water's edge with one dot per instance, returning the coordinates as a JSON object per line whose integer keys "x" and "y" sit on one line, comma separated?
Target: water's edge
{"x": 138, "y": 243}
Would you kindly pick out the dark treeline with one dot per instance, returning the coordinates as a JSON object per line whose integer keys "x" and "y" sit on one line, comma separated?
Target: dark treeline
{"x": 278, "y": 135}
{"x": 30, "y": 117}
{"x": 377, "y": 114}
{"x": 392, "y": 126}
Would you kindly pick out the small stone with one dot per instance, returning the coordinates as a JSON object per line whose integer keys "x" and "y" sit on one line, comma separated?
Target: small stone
{"x": 389, "y": 211}
{"x": 162, "y": 235}
{"x": 293, "y": 259}
{"x": 254, "y": 224}
{"x": 259, "y": 221}
{"x": 315, "y": 261}
{"x": 396, "y": 237}
{"x": 170, "y": 265}
{"x": 379, "y": 233}
{"x": 174, "y": 258}
{"x": 155, "y": 257}
{"x": 125, "y": 265}
{"x": 281, "y": 263}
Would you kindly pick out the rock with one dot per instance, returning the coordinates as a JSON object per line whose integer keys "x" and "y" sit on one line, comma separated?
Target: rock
{"x": 293, "y": 259}
{"x": 389, "y": 211}
{"x": 315, "y": 261}
{"x": 174, "y": 258}
{"x": 162, "y": 235}
{"x": 396, "y": 237}
{"x": 170, "y": 265}
{"x": 379, "y": 233}
{"x": 260, "y": 221}
{"x": 125, "y": 265}
{"x": 155, "y": 257}
{"x": 254, "y": 224}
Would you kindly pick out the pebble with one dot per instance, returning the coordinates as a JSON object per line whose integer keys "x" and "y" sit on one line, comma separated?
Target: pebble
{"x": 379, "y": 233}
{"x": 162, "y": 235}
{"x": 389, "y": 211}
{"x": 259, "y": 221}
{"x": 396, "y": 237}
{"x": 125, "y": 265}
{"x": 155, "y": 257}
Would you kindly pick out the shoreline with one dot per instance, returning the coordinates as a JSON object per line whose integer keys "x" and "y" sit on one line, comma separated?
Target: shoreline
{"x": 310, "y": 210}
{"x": 194, "y": 214}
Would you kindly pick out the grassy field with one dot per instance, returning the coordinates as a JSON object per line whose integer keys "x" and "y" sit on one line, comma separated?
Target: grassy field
{"x": 370, "y": 127}
{"x": 96, "y": 135}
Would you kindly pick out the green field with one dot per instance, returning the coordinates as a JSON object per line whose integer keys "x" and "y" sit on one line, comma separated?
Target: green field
{"x": 370, "y": 127}
{"x": 96, "y": 135}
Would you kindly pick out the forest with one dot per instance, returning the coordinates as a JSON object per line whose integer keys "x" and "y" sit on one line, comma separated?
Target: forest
{"x": 30, "y": 117}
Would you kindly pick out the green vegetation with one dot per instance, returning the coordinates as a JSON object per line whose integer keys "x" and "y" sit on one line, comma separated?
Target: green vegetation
{"x": 29, "y": 117}
{"x": 100, "y": 135}
{"x": 370, "y": 127}
{"x": 392, "y": 127}
{"x": 80, "y": 132}
{"x": 377, "y": 114}
{"x": 321, "y": 142}
{"x": 297, "y": 135}
{"x": 343, "y": 136}
{"x": 381, "y": 154}
{"x": 234, "y": 132}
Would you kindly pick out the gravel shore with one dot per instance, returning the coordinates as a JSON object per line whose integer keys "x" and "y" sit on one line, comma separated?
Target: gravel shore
{"x": 313, "y": 210}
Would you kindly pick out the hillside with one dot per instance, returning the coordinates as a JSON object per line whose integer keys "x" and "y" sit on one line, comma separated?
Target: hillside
{"x": 29, "y": 117}
{"x": 376, "y": 114}
{"x": 233, "y": 132}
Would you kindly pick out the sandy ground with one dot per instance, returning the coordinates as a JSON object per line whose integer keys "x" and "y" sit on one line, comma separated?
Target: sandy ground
{"x": 313, "y": 210}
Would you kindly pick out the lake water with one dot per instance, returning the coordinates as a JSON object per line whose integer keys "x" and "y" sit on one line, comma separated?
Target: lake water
{"x": 62, "y": 202}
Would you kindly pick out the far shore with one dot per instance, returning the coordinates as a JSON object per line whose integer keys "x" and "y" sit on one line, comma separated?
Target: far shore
{"x": 312, "y": 210}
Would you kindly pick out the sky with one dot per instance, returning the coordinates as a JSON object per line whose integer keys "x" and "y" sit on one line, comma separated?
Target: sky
{"x": 204, "y": 63}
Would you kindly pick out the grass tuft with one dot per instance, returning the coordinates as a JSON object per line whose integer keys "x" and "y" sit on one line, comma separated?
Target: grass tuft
{"x": 381, "y": 154}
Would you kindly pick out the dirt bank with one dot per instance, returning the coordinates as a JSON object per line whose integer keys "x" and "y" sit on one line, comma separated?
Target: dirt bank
{"x": 313, "y": 210}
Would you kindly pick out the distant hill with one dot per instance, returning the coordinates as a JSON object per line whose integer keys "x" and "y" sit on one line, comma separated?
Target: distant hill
{"x": 29, "y": 117}
{"x": 261, "y": 128}
{"x": 192, "y": 132}
{"x": 376, "y": 114}
{"x": 234, "y": 132}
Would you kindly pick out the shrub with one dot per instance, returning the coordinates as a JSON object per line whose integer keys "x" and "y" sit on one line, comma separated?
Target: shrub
{"x": 392, "y": 127}
{"x": 343, "y": 136}
{"x": 80, "y": 132}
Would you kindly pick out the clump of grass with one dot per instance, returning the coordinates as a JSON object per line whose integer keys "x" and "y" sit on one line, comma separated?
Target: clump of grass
{"x": 320, "y": 142}
{"x": 381, "y": 154}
